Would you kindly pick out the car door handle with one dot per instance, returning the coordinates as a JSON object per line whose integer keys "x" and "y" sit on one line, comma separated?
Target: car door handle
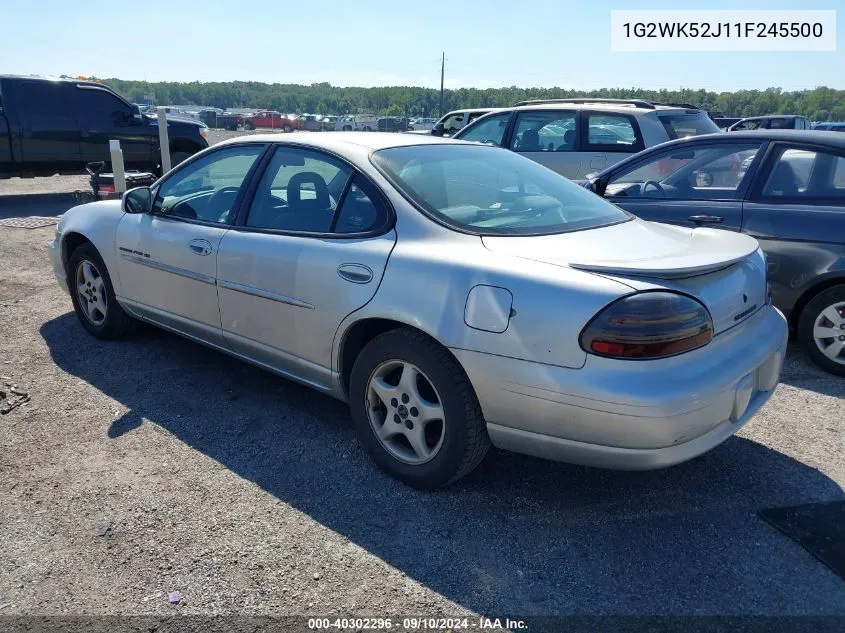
{"x": 200, "y": 246}
{"x": 706, "y": 219}
{"x": 356, "y": 273}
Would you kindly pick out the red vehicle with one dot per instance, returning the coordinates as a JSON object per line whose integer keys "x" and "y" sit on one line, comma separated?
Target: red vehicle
{"x": 273, "y": 120}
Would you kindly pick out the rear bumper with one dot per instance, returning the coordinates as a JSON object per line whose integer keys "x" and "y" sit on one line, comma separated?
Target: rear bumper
{"x": 631, "y": 414}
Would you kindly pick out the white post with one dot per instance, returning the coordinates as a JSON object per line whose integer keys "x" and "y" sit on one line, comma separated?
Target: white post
{"x": 117, "y": 166}
{"x": 163, "y": 139}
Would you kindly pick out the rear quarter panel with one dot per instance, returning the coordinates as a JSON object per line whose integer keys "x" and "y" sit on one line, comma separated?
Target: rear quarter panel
{"x": 804, "y": 245}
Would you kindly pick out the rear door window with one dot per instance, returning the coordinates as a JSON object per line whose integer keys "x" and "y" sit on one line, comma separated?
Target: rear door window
{"x": 612, "y": 133}
{"x": 44, "y": 106}
{"x": 803, "y": 174}
{"x": 545, "y": 131}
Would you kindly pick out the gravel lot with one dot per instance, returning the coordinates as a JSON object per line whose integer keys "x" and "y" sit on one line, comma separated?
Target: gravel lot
{"x": 249, "y": 494}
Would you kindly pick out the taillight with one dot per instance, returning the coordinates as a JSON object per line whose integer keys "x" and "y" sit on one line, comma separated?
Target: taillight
{"x": 648, "y": 325}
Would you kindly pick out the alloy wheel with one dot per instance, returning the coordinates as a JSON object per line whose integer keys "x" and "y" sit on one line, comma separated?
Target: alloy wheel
{"x": 91, "y": 292}
{"x": 405, "y": 412}
{"x": 829, "y": 332}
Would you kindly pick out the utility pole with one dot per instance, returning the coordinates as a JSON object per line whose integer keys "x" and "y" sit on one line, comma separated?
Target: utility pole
{"x": 442, "y": 71}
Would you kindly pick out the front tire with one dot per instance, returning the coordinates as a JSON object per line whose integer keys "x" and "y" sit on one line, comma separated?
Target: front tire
{"x": 821, "y": 330}
{"x": 93, "y": 296}
{"x": 415, "y": 411}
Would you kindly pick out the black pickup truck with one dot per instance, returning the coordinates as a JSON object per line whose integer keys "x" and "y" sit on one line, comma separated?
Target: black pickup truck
{"x": 58, "y": 126}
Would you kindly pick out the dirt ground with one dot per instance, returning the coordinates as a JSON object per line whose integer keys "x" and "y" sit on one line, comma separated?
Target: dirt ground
{"x": 151, "y": 465}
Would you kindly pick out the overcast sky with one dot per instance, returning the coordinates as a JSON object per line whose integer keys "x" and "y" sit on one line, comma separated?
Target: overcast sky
{"x": 489, "y": 43}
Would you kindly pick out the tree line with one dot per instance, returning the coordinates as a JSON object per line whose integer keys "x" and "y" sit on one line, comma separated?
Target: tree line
{"x": 819, "y": 104}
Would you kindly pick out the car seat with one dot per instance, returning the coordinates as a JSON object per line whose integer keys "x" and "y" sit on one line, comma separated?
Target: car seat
{"x": 530, "y": 141}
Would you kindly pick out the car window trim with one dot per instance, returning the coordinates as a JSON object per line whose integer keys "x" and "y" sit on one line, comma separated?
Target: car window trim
{"x": 586, "y": 146}
{"x": 246, "y": 203}
{"x": 241, "y": 190}
{"x": 742, "y": 190}
{"x": 514, "y": 123}
{"x": 776, "y": 150}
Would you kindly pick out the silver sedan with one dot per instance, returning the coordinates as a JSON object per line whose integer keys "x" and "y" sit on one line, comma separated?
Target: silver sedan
{"x": 454, "y": 294}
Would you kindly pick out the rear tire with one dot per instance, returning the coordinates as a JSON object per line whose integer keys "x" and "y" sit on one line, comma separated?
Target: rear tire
{"x": 287, "y": 128}
{"x": 825, "y": 314}
{"x": 249, "y": 125}
{"x": 347, "y": 128}
{"x": 90, "y": 286}
{"x": 423, "y": 454}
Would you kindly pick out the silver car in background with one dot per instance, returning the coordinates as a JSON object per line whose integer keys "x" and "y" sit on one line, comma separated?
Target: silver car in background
{"x": 454, "y": 294}
{"x": 575, "y": 137}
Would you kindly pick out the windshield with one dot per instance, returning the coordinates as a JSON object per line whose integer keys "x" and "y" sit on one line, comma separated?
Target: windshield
{"x": 491, "y": 191}
{"x": 683, "y": 125}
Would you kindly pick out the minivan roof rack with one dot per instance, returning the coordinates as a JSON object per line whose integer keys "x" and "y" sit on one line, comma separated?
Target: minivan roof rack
{"x": 634, "y": 102}
{"x": 688, "y": 106}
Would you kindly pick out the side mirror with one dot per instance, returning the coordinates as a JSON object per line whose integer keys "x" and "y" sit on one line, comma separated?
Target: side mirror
{"x": 596, "y": 185}
{"x": 437, "y": 130}
{"x": 138, "y": 200}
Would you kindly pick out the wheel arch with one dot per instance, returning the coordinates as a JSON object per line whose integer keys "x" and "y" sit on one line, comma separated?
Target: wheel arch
{"x": 836, "y": 279}
{"x": 70, "y": 242}
{"x": 356, "y": 335}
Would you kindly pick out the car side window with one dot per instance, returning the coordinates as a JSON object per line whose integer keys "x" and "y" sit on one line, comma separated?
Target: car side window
{"x": 100, "y": 110}
{"x": 552, "y": 131}
{"x": 299, "y": 191}
{"x": 702, "y": 172}
{"x": 751, "y": 124}
{"x": 44, "y": 106}
{"x": 206, "y": 189}
{"x": 453, "y": 123}
{"x": 612, "y": 133}
{"x": 799, "y": 174}
{"x": 490, "y": 130}
{"x": 361, "y": 210}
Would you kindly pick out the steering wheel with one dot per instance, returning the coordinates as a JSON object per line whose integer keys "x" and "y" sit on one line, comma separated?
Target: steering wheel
{"x": 215, "y": 198}
{"x": 657, "y": 186}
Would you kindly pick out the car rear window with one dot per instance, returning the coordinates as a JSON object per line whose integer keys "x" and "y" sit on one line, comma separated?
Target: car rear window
{"x": 679, "y": 125}
{"x": 490, "y": 191}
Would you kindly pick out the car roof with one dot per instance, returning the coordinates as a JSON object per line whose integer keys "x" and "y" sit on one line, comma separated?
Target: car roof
{"x": 337, "y": 140}
{"x": 85, "y": 82}
{"x": 834, "y": 140}
{"x": 822, "y": 137}
{"x": 598, "y": 105}
{"x": 463, "y": 110}
{"x": 775, "y": 116}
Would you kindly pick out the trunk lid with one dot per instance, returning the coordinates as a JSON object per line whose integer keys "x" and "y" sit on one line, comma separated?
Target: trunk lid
{"x": 722, "y": 269}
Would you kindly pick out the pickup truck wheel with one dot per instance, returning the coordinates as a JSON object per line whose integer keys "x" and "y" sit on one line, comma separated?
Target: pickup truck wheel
{"x": 821, "y": 330}
{"x": 347, "y": 128}
{"x": 287, "y": 128}
{"x": 249, "y": 125}
{"x": 415, "y": 411}
{"x": 92, "y": 294}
